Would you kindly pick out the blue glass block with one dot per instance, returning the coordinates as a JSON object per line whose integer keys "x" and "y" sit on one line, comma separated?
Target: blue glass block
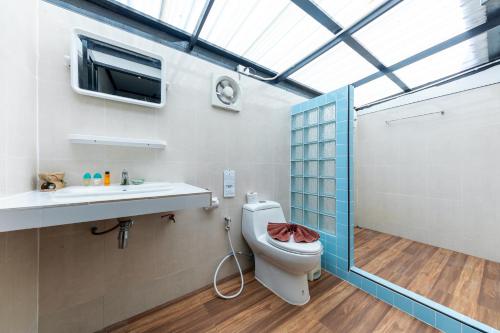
{"x": 311, "y": 202}
{"x": 327, "y": 186}
{"x": 311, "y": 151}
{"x": 327, "y": 205}
{"x": 424, "y": 314}
{"x": 297, "y": 199}
{"x": 327, "y": 224}
{"x": 297, "y": 168}
{"x": 311, "y": 219}
{"x": 311, "y": 134}
{"x": 327, "y": 131}
{"x": 327, "y": 150}
{"x": 311, "y": 168}
{"x": 297, "y": 137}
{"x": 327, "y": 113}
{"x": 297, "y": 216}
{"x": 298, "y": 120}
{"x": 327, "y": 168}
{"x": 312, "y": 117}
{"x": 297, "y": 152}
{"x": 297, "y": 184}
{"x": 447, "y": 324}
{"x": 311, "y": 185}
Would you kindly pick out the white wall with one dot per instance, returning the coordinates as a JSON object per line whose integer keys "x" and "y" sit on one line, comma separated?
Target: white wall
{"x": 434, "y": 179}
{"x": 18, "y": 250}
{"x": 86, "y": 283}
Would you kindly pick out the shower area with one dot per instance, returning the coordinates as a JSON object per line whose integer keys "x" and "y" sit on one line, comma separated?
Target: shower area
{"x": 427, "y": 215}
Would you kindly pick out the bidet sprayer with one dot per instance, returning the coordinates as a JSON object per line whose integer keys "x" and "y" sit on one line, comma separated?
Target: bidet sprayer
{"x": 227, "y": 219}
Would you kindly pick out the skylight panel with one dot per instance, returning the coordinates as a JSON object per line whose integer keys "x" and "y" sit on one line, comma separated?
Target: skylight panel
{"x": 457, "y": 58}
{"x": 347, "y": 12}
{"x": 150, "y": 7}
{"x": 375, "y": 90}
{"x": 275, "y": 34}
{"x": 415, "y": 25}
{"x": 334, "y": 69}
{"x": 182, "y": 14}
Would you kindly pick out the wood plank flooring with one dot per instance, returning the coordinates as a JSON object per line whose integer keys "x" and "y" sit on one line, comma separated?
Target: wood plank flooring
{"x": 467, "y": 284}
{"x": 335, "y": 306}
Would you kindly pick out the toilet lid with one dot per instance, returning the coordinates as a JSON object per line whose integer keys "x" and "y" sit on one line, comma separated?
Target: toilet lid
{"x": 299, "y": 248}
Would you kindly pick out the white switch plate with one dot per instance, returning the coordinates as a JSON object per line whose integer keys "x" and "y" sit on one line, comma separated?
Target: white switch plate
{"x": 229, "y": 183}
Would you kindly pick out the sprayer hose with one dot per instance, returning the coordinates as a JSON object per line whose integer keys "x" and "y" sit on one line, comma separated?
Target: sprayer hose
{"x": 231, "y": 254}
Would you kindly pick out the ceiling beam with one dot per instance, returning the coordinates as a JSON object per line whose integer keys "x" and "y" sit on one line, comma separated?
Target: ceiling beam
{"x": 383, "y": 70}
{"x": 325, "y": 20}
{"x": 490, "y": 24}
{"x": 492, "y": 12}
{"x": 342, "y": 36}
{"x": 318, "y": 14}
{"x": 199, "y": 25}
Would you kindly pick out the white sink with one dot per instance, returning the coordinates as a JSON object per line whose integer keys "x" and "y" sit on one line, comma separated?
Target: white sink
{"x": 86, "y": 192}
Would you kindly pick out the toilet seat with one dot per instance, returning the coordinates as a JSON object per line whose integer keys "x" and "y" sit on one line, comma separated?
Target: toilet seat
{"x": 297, "y": 248}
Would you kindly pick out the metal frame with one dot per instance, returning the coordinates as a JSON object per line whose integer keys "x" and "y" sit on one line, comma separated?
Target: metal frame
{"x": 117, "y": 14}
{"x": 457, "y": 39}
{"x": 199, "y": 24}
{"x": 324, "y": 19}
{"x": 341, "y": 37}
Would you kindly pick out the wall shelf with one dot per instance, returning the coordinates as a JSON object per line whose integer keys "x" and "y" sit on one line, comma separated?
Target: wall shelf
{"x": 116, "y": 141}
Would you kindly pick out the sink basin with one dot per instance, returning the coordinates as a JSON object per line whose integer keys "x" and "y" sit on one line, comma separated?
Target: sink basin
{"x": 85, "y": 192}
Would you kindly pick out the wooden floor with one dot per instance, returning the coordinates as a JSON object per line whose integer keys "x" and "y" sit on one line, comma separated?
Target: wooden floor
{"x": 335, "y": 306}
{"x": 467, "y": 284}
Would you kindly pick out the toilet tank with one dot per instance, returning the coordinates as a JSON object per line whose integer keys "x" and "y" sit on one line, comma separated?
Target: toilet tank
{"x": 256, "y": 216}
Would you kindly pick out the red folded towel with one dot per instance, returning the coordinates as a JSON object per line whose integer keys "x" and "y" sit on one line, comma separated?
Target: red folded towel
{"x": 283, "y": 232}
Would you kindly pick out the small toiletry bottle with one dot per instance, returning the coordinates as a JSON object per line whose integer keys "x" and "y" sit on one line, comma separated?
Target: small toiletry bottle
{"x": 97, "y": 179}
{"x": 107, "y": 178}
{"x": 87, "y": 179}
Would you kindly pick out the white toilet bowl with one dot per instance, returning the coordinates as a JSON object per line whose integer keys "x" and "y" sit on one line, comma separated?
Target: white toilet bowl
{"x": 281, "y": 267}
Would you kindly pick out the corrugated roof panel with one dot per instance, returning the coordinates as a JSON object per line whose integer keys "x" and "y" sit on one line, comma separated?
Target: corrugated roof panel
{"x": 415, "y": 25}
{"x": 336, "y": 68}
{"x": 275, "y": 34}
{"x": 457, "y": 58}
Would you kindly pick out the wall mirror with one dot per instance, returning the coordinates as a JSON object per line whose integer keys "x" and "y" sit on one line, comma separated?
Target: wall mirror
{"x": 427, "y": 216}
{"x": 109, "y": 69}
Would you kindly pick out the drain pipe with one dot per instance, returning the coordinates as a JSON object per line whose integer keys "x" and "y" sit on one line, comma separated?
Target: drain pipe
{"x": 124, "y": 223}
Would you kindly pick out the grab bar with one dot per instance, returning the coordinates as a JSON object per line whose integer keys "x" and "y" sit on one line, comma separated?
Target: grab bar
{"x": 419, "y": 115}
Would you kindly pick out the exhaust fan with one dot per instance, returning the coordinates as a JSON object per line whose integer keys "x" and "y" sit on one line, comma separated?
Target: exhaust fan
{"x": 226, "y": 92}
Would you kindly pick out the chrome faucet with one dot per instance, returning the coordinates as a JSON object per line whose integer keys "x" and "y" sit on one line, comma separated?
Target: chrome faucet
{"x": 125, "y": 180}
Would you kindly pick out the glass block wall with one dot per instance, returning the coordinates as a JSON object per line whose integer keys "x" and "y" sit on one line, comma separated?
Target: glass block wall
{"x": 313, "y": 151}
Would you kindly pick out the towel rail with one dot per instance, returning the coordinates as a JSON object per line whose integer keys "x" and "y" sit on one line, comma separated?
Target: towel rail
{"x": 388, "y": 122}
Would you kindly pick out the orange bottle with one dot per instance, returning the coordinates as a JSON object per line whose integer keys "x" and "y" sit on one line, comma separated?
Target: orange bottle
{"x": 107, "y": 178}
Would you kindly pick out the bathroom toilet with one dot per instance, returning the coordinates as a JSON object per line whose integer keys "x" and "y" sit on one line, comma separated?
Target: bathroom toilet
{"x": 282, "y": 267}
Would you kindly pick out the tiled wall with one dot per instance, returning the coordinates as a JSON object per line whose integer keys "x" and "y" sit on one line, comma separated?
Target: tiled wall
{"x": 18, "y": 250}
{"x": 338, "y": 257}
{"x": 86, "y": 283}
{"x": 434, "y": 179}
